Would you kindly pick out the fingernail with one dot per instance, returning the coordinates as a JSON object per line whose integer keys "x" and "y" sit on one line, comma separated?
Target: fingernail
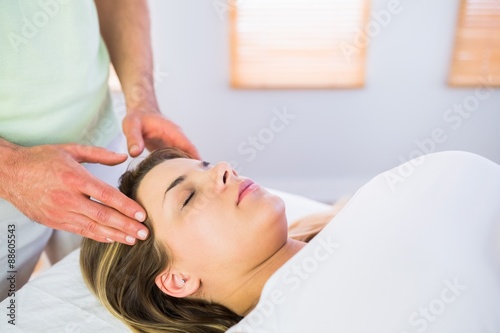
{"x": 142, "y": 234}
{"x": 130, "y": 239}
{"x": 140, "y": 216}
{"x": 110, "y": 240}
{"x": 134, "y": 149}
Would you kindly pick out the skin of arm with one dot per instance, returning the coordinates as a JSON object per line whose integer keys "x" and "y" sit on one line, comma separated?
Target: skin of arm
{"x": 125, "y": 28}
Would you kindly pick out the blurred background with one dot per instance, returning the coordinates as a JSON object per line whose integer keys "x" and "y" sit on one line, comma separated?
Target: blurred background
{"x": 325, "y": 142}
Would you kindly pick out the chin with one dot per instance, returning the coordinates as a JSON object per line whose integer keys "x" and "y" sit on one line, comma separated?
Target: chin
{"x": 275, "y": 203}
{"x": 274, "y": 212}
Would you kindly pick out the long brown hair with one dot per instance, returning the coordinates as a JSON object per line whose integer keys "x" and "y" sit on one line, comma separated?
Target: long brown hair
{"x": 123, "y": 277}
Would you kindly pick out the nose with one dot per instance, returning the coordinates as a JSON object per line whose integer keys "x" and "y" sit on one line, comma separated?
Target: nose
{"x": 224, "y": 174}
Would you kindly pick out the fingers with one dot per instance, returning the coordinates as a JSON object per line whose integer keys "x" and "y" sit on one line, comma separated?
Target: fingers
{"x": 189, "y": 148}
{"x": 112, "y": 225}
{"x": 132, "y": 128}
{"x": 116, "y": 211}
{"x": 86, "y": 227}
{"x": 158, "y": 131}
{"x": 180, "y": 143}
{"x": 164, "y": 133}
{"x": 92, "y": 154}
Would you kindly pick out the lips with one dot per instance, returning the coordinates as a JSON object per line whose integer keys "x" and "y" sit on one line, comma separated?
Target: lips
{"x": 243, "y": 188}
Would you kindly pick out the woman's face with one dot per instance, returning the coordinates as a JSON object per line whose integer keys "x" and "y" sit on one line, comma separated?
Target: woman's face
{"x": 215, "y": 224}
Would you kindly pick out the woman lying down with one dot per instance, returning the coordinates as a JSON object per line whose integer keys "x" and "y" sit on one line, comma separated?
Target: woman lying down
{"x": 415, "y": 250}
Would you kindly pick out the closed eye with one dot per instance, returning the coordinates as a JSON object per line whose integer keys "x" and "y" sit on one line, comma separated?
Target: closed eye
{"x": 190, "y": 196}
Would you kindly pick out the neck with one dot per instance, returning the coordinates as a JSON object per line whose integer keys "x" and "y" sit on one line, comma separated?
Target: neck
{"x": 247, "y": 293}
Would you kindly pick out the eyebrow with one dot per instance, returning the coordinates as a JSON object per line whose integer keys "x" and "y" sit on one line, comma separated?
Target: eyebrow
{"x": 182, "y": 178}
{"x": 173, "y": 184}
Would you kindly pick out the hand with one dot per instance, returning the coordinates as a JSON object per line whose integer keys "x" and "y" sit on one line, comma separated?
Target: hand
{"x": 149, "y": 128}
{"x": 49, "y": 186}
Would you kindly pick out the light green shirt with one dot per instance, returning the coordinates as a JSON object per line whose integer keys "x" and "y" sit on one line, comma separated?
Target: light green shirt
{"x": 54, "y": 69}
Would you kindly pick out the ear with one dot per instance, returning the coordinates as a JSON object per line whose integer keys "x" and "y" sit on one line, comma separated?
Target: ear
{"x": 175, "y": 284}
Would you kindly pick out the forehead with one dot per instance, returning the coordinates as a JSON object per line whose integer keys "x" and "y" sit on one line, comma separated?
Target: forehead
{"x": 159, "y": 177}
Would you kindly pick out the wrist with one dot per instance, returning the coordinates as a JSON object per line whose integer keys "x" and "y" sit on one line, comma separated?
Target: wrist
{"x": 148, "y": 104}
{"x": 140, "y": 93}
{"x": 9, "y": 153}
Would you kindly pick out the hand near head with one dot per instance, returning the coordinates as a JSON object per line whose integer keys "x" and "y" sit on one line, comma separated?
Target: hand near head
{"x": 48, "y": 185}
{"x": 147, "y": 127}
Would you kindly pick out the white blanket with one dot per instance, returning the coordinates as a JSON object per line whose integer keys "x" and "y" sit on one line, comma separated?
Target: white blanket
{"x": 416, "y": 250}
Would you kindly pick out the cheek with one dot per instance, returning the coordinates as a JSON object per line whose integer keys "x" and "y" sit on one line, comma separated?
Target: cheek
{"x": 272, "y": 223}
{"x": 212, "y": 242}
{"x": 219, "y": 236}
{"x": 266, "y": 214}
{"x": 271, "y": 211}
{"x": 203, "y": 238}
{"x": 260, "y": 230}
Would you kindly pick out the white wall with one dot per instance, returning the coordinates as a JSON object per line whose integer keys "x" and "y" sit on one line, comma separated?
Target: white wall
{"x": 339, "y": 138}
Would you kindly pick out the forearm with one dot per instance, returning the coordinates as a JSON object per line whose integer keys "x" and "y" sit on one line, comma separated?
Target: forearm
{"x": 125, "y": 28}
{"x": 7, "y": 161}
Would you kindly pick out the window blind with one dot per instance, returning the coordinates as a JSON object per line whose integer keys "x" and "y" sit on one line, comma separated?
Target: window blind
{"x": 298, "y": 43}
{"x": 476, "y": 55}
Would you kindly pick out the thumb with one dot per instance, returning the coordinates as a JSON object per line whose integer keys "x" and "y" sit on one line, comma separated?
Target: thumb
{"x": 92, "y": 154}
{"x": 132, "y": 128}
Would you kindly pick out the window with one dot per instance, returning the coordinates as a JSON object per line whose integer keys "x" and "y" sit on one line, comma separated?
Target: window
{"x": 476, "y": 57}
{"x": 298, "y": 44}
